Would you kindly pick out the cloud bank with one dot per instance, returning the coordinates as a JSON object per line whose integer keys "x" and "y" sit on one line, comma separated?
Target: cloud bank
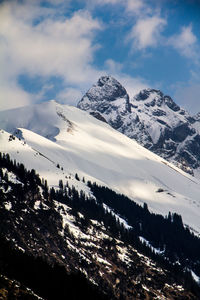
{"x": 48, "y": 47}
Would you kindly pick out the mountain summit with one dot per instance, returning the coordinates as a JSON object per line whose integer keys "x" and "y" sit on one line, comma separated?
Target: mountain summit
{"x": 108, "y": 88}
{"x": 109, "y": 98}
{"x": 150, "y": 117}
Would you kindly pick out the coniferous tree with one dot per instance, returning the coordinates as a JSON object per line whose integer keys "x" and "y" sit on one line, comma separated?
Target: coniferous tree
{"x": 61, "y": 184}
{"x": 76, "y": 177}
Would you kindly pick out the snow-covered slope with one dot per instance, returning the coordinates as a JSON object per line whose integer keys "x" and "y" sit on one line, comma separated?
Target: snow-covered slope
{"x": 151, "y": 118}
{"x": 81, "y": 144}
{"x": 46, "y": 163}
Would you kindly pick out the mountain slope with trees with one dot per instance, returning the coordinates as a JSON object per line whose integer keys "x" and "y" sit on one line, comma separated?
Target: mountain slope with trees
{"x": 108, "y": 158}
{"x": 59, "y": 235}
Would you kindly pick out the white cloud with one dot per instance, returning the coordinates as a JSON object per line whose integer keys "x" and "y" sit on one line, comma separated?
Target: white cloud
{"x": 12, "y": 96}
{"x": 146, "y": 32}
{"x": 184, "y": 42}
{"x": 134, "y": 5}
{"x": 108, "y": 1}
{"x": 69, "y": 96}
{"x": 57, "y": 2}
{"x": 53, "y": 47}
{"x": 93, "y": 3}
{"x": 113, "y": 67}
{"x": 137, "y": 7}
{"x": 130, "y": 6}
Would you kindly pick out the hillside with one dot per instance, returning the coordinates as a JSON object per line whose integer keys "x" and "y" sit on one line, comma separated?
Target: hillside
{"x": 59, "y": 141}
{"x": 53, "y": 241}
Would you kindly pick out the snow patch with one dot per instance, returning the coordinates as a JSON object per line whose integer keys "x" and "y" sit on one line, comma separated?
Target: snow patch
{"x": 118, "y": 218}
{"x": 195, "y": 277}
{"x": 156, "y": 250}
{"x": 40, "y": 205}
{"x": 8, "y": 205}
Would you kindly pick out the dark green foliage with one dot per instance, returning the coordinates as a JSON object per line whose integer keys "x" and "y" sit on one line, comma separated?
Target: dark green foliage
{"x": 89, "y": 208}
{"x": 76, "y": 177}
{"x": 49, "y": 281}
{"x": 164, "y": 233}
{"x": 29, "y": 179}
{"x": 61, "y": 184}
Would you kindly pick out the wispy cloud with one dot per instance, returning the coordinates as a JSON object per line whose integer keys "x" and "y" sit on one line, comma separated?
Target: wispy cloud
{"x": 146, "y": 32}
{"x": 184, "y": 42}
{"x": 128, "y": 6}
{"x": 137, "y": 7}
{"x": 33, "y": 42}
{"x": 69, "y": 96}
{"x": 11, "y": 95}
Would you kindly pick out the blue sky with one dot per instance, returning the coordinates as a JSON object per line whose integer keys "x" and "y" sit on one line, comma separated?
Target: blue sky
{"x": 57, "y": 49}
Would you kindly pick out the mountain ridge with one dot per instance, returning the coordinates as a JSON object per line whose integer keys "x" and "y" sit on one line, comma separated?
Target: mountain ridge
{"x": 151, "y": 118}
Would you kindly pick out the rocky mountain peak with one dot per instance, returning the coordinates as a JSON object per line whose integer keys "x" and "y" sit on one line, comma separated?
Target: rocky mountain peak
{"x": 153, "y": 97}
{"x": 110, "y": 87}
{"x": 197, "y": 117}
{"x": 106, "y": 89}
{"x": 171, "y": 104}
{"x": 109, "y": 98}
{"x": 150, "y": 117}
{"x": 146, "y": 93}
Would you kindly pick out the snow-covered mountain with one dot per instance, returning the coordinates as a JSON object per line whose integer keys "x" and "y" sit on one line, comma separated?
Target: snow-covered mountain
{"x": 71, "y": 219}
{"x": 59, "y": 141}
{"x": 151, "y": 118}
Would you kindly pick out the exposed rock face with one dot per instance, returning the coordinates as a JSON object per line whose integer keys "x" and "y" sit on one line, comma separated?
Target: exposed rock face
{"x": 98, "y": 116}
{"x": 110, "y": 99}
{"x": 151, "y": 118}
